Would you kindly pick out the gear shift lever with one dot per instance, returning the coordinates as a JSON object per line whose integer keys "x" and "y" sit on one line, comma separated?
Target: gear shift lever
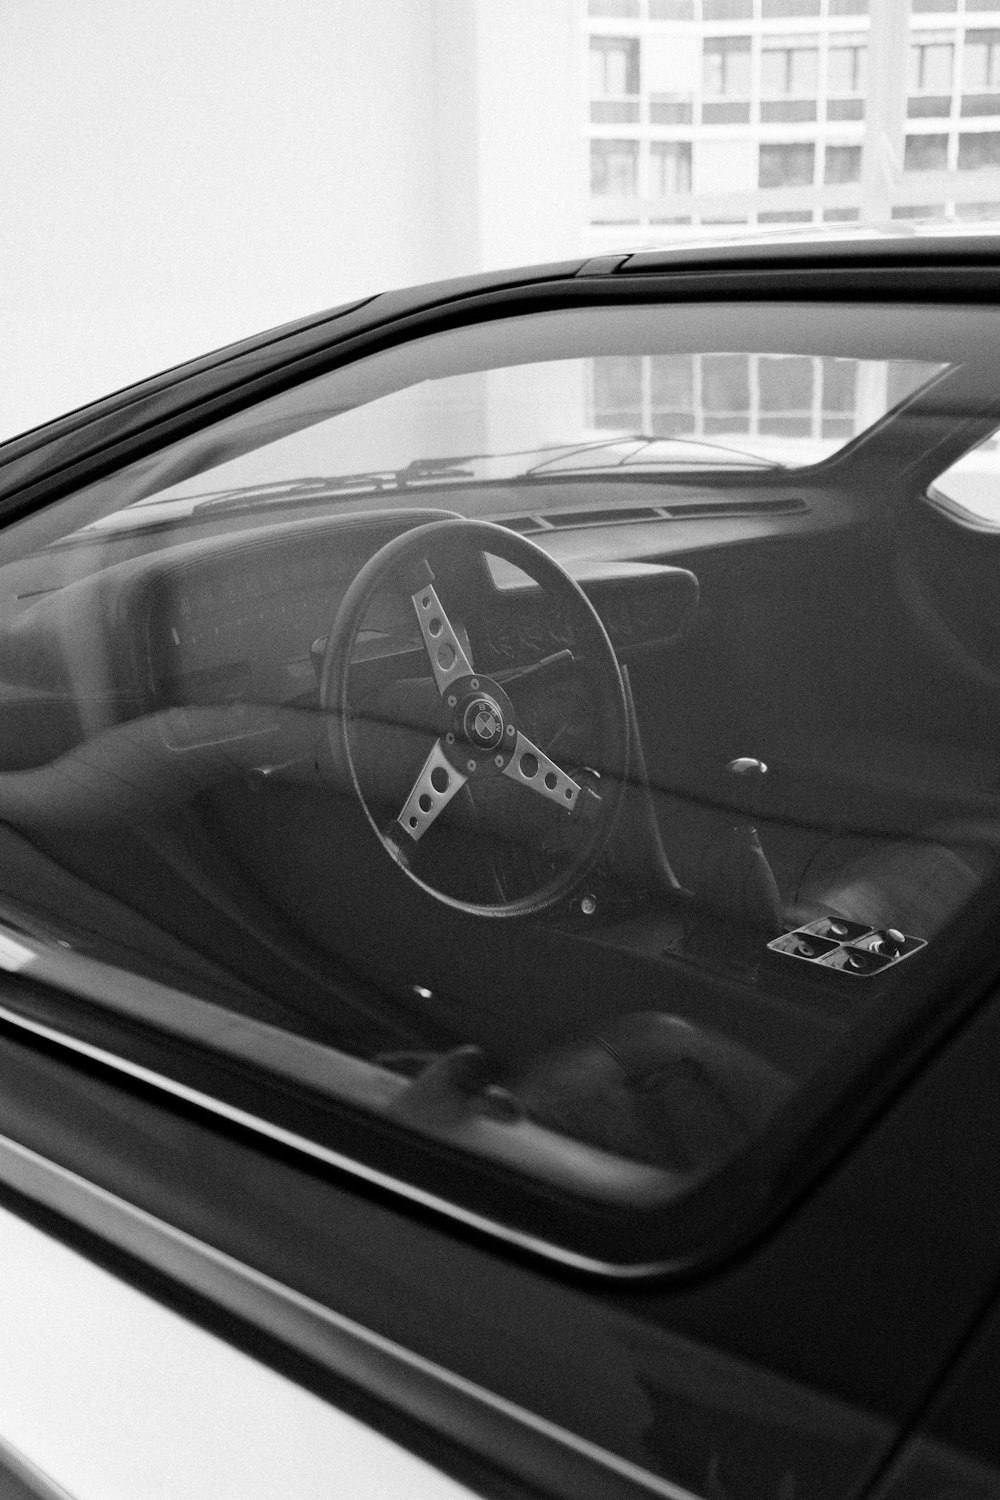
{"x": 736, "y": 887}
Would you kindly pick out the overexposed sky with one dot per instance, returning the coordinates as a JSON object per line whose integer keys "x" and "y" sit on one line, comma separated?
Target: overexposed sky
{"x": 175, "y": 174}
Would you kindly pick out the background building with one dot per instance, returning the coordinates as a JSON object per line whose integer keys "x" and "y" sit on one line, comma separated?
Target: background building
{"x": 716, "y": 115}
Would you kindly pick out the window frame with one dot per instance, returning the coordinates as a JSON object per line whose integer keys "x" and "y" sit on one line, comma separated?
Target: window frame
{"x": 719, "y": 1216}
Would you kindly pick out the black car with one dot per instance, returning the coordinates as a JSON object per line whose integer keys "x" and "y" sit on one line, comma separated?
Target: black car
{"x": 499, "y": 848}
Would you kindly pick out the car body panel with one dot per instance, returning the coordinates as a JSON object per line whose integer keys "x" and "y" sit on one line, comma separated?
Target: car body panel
{"x": 726, "y": 1371}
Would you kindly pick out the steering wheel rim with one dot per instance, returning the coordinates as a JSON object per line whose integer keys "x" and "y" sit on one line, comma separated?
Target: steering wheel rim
{"x": 484, "y": 730}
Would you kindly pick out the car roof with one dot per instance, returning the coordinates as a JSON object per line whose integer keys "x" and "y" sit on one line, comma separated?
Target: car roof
{"x": 875, "y": 245}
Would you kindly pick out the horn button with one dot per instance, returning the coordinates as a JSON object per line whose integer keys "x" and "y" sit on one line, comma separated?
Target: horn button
{"x": 481, "y": 736}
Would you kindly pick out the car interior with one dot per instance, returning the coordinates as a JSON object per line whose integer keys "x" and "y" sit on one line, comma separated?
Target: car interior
{"x": 585, "y": 811}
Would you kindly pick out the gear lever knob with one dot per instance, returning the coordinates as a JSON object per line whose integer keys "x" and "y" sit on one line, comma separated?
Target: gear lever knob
{"x": 736, "y": 885}
{"x": 746, "y": 765}
{"x": 745, "y": 777}
{"x": 744, "y": 785}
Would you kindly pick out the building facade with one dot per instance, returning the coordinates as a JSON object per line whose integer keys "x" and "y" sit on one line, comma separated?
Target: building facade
{"x": 714, "y": 116}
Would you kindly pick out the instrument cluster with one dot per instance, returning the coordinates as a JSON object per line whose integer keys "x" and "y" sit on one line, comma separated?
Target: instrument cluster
{"x": 524, "y": 629}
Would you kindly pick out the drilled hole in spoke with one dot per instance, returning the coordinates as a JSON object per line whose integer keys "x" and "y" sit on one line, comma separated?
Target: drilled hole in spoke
{"x": 446, "y": 656}
{"x": 440, "y": 780}
{"x": 529, "y": 766}
{"x": 425, "y": 802}
{"x": 551, "y": 780}
{"x": 434, "y": 626}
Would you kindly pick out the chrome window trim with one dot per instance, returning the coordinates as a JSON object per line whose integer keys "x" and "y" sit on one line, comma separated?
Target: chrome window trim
{"x": 336, "y": 1159}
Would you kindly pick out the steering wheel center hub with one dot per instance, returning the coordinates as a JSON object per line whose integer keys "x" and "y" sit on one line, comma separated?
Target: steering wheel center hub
{"x": 483, "y": 722}
{"x": 482, "y": 730}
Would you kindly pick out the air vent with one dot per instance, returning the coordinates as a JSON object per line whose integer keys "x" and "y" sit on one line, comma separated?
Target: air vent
{"x": 617, "y": 515}
{"x": 621, "y": 515}
{"x": 524, "y": 524}
{"x": 557, "y": 520}
{"x": 696, "y": 508}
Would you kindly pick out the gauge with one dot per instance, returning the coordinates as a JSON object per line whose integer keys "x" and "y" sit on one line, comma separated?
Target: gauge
{"x": 501, "y": 640}
{"x": 534, "y": 635}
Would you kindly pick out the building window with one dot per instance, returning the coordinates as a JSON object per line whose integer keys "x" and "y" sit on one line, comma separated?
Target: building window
{"x": 980, "y": 104}
{"x": 669, "y": 168}
{"x": 671, "y": 394}
{"x": 789, "y": 65}
{"x": 787, "y": 110}
{"x": 979, "y": 150}
{"x": 845, "y": 109}
{"x": 977, "y": 210}
{"x": 787, "y": 166}
{"x": 926, "y": 153}
{"x": 981, "y": 60}
{"x": 785, "y": 384}
{"x": 930, "y": 106}
{"x": 670, "y": 109}
{"x": 614, "y": 169}
{"x": 618, "y": 392}
{"x": 839, "y": 398}
{"x": 845, "y": 65}
{"x": 614, "y": 67}
{"x": 842, "y": 164}
{"x": 726, "y": 65}
{"x": 841, "y": 215}
{"x": 727, "y": 10}
{"x": 725, "y": 386}
{"x": 786, "y": 216}
{"x": 616, "y": 9}
{"x": 780, "y": 8}
{"x": 931, "y": 62}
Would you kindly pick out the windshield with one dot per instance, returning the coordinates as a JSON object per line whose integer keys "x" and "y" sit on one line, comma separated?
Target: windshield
{"x": 625, "y": 394}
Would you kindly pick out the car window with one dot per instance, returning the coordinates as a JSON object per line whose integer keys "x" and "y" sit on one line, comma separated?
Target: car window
{"x": 970, "y": 488}
{"x": 518, "y": 749}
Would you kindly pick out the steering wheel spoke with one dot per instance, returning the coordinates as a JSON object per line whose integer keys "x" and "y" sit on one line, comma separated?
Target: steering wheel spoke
{"x": 531, "y": 767}
{"x": 448, "y": 658}
{"x": 436, "y": 784}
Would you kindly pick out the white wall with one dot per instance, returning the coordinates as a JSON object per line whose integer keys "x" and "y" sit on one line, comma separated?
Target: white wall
{"x": 175, "y": 174}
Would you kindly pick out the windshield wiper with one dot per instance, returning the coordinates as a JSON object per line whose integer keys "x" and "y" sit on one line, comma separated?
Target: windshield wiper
{"x": 634, "y": 453}
{"x": 367, "y": 481}
{"x": 638, "y": 443}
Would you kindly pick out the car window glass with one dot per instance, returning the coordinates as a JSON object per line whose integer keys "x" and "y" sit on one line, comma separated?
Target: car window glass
{"x": 494, "y": 741}
{"x": 971, "y": 486}
{"x": 520, "y": 394}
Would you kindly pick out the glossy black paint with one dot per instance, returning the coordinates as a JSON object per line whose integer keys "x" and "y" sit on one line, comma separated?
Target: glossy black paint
{"x": 803, "y": 1357}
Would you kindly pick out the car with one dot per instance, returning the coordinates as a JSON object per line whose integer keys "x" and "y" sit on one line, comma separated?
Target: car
{"x": 499, "y": 851}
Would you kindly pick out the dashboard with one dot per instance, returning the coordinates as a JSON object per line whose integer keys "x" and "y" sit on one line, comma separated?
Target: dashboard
{"x": 244, "y": 620}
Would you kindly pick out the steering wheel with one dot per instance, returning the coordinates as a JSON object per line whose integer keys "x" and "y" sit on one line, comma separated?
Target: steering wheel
{"x": 476, "y": 735}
